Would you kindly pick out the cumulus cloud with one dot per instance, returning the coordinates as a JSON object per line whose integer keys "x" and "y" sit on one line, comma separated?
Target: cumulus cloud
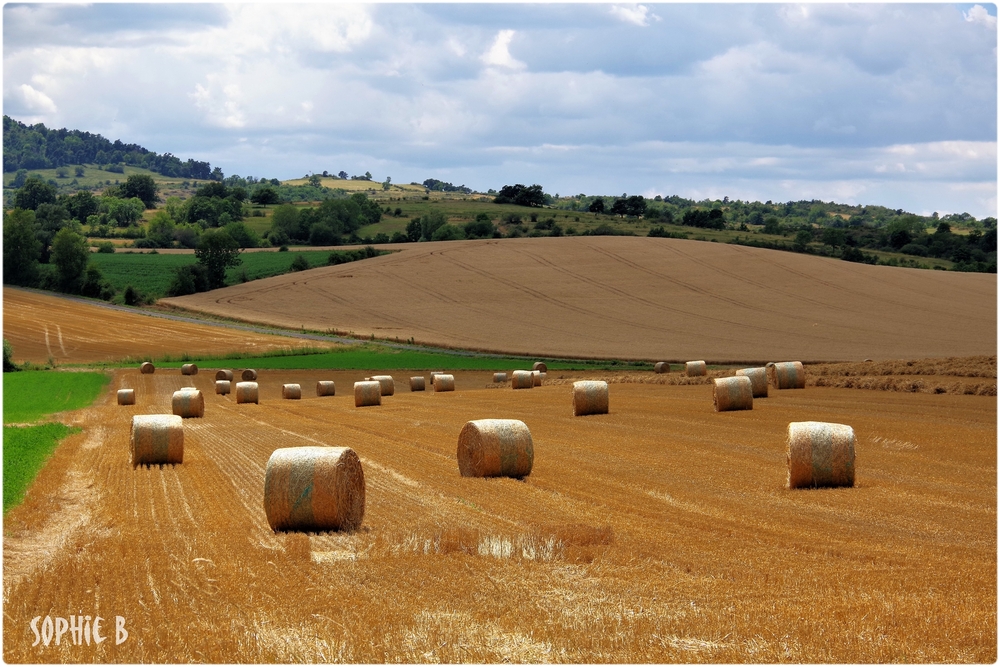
{"x": 979, "y": 14}
{"x": 499, "y": 54}
{"x": 635, "y": 14}
{"x": 35, "y": 101}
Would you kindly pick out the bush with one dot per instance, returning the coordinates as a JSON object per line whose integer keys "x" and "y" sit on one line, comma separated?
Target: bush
{"x": 107, "y": 247}
{"x": 914, "y": 249}
{"x": 8, "y": 361}
{"x": 131, "y": 296}
{"x": 300, "y": 263}
{"x": 448, "y": 233}
{"x": 189, "y": 279}
{"x": 283, "y": 248}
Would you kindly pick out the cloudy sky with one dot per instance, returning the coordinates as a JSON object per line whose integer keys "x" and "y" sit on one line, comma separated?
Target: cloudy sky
{"x": 872, "y": 104}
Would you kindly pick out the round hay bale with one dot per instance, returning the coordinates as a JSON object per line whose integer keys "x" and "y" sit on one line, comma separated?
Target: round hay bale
{"x": 536, "y": 378}
{"x": 188, "y": 402}
{"x": 786, "y": 375}
{"x": 758, "y": 380}
{"x": 126, "y": 397}
{"x": 249, "y": 375}
{"x": 590, "y": 397}
{"x": 147, "y": 368}
{"x": 326, "y": 388}
{"x": 820, "y": 454}
{"x": 224, "y": 375}
{"x": 695, "y": 369}
{"x": 444, "y": 382}
{"x": 189, "y": 369}
{"x": 223, "y": 387}
{"x": 662, "y": 367}
{"x": 157, "y": 439}
{"x": 522, "y": 380}
{"x": 499, "y": 378}
{"x": 247, "y": 392}
{"x": 367, "y": 393}
{"x": 495, "y": 448}
{"x": 733, "y": 393}
{"x": 291, "y": 391}
{"x": 417, "y": 383}
{"x": 314, "y": 489}
{"x": 387, "y": 383}
{"x": 433, "y": 373}
{"x": 539, "y": 366}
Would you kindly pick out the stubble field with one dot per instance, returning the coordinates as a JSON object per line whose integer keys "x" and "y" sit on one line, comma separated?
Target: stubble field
{"x": 661, "y": 532}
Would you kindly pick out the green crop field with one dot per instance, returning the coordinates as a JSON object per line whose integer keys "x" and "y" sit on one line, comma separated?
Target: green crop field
{"x": 25, "y": 451}
{"x": 29, "y": 395}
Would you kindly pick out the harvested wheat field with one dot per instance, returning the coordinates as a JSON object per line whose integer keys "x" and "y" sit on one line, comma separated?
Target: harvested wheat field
{"x": 41, "y": 326}
{"x": 660, "y": 532}
{"x": 629, "y": 298}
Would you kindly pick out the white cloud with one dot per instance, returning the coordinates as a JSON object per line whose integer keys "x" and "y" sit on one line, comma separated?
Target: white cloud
{"x": 35, "y": 101}
{"x": 635, "y": 14}
{"x": 499, "y": 54}
{"x": 978, "y": 14}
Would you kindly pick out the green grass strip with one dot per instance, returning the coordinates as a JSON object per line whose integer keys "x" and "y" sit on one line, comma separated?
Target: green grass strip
{"x": 25, "y": 451}
{"x": 29, "y": 395}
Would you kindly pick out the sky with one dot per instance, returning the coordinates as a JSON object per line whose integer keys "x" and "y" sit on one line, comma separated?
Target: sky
{"x": 888, "y": 104}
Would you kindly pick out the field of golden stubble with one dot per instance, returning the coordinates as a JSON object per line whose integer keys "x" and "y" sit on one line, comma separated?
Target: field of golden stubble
{"x": 661, "y": 532}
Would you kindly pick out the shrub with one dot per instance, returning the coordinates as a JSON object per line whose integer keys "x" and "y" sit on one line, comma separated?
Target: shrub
{"x": 8, "y": 361}
{"x": 283, "y": 248}
{"x": 107, "y": 247}
{"x": 300, "y": 263}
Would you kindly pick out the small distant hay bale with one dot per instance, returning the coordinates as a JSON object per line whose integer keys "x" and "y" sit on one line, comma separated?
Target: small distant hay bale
{"x": 695, "y": 369}
{"x": 590, "y": 397}
{"x": 444, "y": 382}
{"x": 314, "y": 489}
{"x": 786, "y": 375}
{"x": 326, "y": 388}
{"x": 189, "y": 369}
{"x": 247, "y": 392}
{"x": 126, "y": 397}
{"x": 147, "y": 368}
{"x": 367, "y": 393}
{"x": 157, "y": 439}
{"x": 733, "y": 393}
{"x": 820, "y": 454}
{"x": 291, "y": 391}
{"x": 387, "y": 383}
{"x": 224, "y": 375}
{"x": 188, "y": 402}
{"x": 495, "y": 448}
{"x": 417, "y": 383}
{"x": 758, "y": 380}
{"x": 434, "y": 373}
{"x": 223, "y": 387}
{"x": 522, "y": 380}
{"x": 662, "y": 367}
{"x": 536, "y": 378}
{"x": 539, "y": 366}
{"x": 249, "y": 375}
{"x": 499, "y": 378}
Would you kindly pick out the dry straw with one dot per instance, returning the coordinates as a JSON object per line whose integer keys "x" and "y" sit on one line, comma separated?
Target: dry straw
{"x": 539, "y": 366}
{"x": 444, "y": 382}
{"x": 147, "y": 368}
{"x": 366, "y": 393}
{"x": 223, "y": 387}
{"x": 249, "y": 375}
{"x": 522, "y": 380}
{"x": 820, "y": 454}
{"x": 786, "y": 375}
{"x": 536, "y": 378}
{"x": 189, "y": 369}
{"x": 435, "y": 373}
{"x": 417, "y": 383}
{"x": 188, "y": 402}
{"x": 758, "y": 380}
{"x": 326, "y": 388}
{"x": 590, "y": 397}
{"x": 126, "y": 397}
{"x": 662, "y": 367}
{"x": 495, "y": 448}
{"x": 387, "y": 383}
{"x": 291, "y": 391}
{"x": 695, "y": 369}
{"x": 499, "y": 378}
{"x": 314, "y": 489}
{"x": 247, "y": 392}
{"x": 733, "y": 393}
{"x": 157, "y": 439}
{"x": 224, "y": 375}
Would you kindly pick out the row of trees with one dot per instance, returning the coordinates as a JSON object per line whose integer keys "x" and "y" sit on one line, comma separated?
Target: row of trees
{"x": 328, "y": 224}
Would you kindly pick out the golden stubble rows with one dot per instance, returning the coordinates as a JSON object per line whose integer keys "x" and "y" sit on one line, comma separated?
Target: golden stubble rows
{"x": 661, "y": 532}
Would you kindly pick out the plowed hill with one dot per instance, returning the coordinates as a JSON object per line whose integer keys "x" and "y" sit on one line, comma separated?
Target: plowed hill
{"x": 633, "y": 298}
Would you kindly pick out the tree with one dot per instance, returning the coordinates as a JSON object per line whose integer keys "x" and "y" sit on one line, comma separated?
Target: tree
{"x": 21, "y": 248}
{"x": 521, "y": 195}
{"x": 78, "y": 171}
{"x": 300, "y": 263}
{"x": 635, "y": 206}
{"x": 265, "y": 195}
{"x": 123, "y": 212}
{"x": 34, "y": 193}
{"x": 620, "y": 207}
{"x": 8, "y": 361}
{"x": 70, "y": 255}
{"x": 217, "y": 251}
{"x": 82, "y": 205}
{"x": 342, "y": 175}
{"x": 413, "y": 230}
{"x": 161, "y": 229}
{"x": 597, "y": 206}
{"x": 430, "y": 224}
{"x": 143, "y": 187}
{"x": 315, "y": 180}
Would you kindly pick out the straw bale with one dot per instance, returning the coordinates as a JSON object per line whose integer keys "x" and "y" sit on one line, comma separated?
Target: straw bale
{"x": 157, "y": 439}
{"x": 249, "y": 375}
{"x": 495, "y": 448}
{"x": 247, "y": 392}
{"x": 326, "y": 388}
{"x": 536, "y": 378}
{"x": 189, "y": 369}
{"x": 758, "y": 380}
{"x": 433, "y": 373}
{"x": 223, "y": 386}
{"x": 499, "y": 378}
{"x": 126, "y": 397}
{"x": 366, "y": 393}
{"x": 224, "y": 375}
{"x": 522, "y": 380}
{"x": 590, "y": 397}
{"x": 444, "y": 382}
{"x": 786, "y": 375}
{"x": 147, "y": 368}
{"x": 291, "y": 391}
{"x": 733, "y": 393}
{"x": 662, "y": 367}
{"x": 539, "y": 366}
{"x": 695, "y": 369}
{"x": 417, "y": 383}
{"x": 820, "y": 454}
{"x": 387, "y": 383}
{"x": 314, "y": 489}
{"x": 188, "y": 402}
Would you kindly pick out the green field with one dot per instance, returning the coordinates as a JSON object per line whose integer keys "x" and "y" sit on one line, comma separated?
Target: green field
{"x": 25, "y": 451}
{"x": 30, "y": 395}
